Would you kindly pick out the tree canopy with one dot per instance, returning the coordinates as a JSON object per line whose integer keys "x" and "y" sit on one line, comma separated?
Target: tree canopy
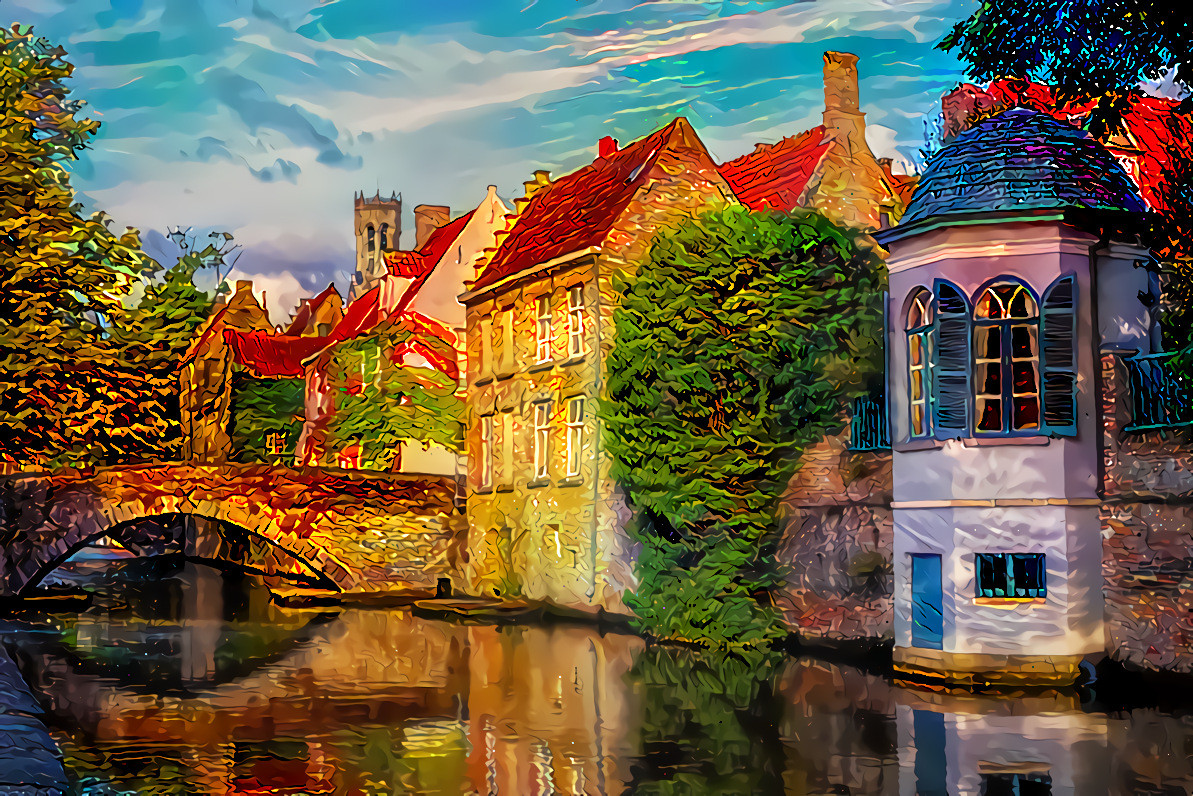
{"x": 1083, "y": 48}
{"x": 739, "y": 344}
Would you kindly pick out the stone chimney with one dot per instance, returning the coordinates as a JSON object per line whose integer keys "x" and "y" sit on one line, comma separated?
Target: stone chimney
{"x": 607, "y": 146}
{"x": 843, "y": 118}
{"x": 427, "y": 219}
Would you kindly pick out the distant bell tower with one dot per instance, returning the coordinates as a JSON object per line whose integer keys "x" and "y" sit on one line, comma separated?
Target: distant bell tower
{"x": 378, "y": 224}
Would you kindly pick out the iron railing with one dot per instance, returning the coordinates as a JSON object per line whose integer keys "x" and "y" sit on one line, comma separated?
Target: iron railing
{"x": 868, "y": 424}
{"x": 1160, "y": 393}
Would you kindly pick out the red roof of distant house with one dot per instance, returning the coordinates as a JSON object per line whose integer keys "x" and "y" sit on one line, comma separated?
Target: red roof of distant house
{"x": 1156, "y": 129}
{"x": 281, "y": 356}
{"x": 774, "y": 176}
{"x": 414, "y": 264}
{"x": 303, "y": 316}
{"x": 576, "y": 211}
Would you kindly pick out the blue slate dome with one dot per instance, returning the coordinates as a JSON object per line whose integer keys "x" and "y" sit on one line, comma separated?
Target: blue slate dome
{"x": 1019, "y": 162}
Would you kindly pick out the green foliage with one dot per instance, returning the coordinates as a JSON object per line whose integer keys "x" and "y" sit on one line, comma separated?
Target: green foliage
{"x": 61, "y": 276}
{"x": 707, "y": 714}
{"x": 261, "y": 408}
{"x": 741, "y": 343}
{"x": 381, "y": 403}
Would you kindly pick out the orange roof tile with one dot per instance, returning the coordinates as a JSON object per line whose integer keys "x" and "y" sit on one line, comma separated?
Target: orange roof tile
{"x": 774, "y": 176}
{"x": 577, "y": 211}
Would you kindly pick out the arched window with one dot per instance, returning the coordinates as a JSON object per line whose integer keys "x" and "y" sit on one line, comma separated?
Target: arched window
{"x": 385, "y": 237}
{"x": 920, "y": 324}
{"x": 1006, "y": 360}
{"x": 372, "y": 244}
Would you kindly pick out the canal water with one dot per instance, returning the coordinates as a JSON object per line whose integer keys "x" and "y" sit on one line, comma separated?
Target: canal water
{"x": 178, "y": 678}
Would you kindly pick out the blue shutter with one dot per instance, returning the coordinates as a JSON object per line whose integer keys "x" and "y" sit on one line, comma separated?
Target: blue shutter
{"x": 1058, "y": 358}
{"x": 950, "y": 383}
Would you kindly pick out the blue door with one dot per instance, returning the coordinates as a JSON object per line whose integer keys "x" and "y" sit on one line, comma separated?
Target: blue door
{"x": 927, "y": 619}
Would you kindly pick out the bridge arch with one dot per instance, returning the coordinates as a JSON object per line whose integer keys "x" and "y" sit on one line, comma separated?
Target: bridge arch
{"x": 352, "y": 532}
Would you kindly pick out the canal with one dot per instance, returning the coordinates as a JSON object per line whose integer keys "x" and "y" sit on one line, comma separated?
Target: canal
{"x": 178, "y": 678}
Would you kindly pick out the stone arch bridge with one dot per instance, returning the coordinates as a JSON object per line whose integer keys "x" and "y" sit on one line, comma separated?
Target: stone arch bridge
{"x": 340, "y": 530}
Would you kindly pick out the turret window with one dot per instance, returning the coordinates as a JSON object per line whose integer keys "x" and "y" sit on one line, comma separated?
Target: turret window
{"x": 1006, "y": 360}
{"x": 385, "y": 237}
{"x": 921, "y": 356}
{"x": 371, "y": 235}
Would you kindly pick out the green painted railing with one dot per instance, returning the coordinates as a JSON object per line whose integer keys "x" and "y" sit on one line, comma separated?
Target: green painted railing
{"x": 868, "y": 424}
{"x": 1160, "y": 393}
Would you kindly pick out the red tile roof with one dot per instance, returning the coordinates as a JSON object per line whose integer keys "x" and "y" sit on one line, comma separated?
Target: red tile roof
{"x": 577, "y": 211}
{"x": 1157, "y": 131}
{"x": 303, "y": 316}
{"x": 415, "y": 264}
{"x": 774, "y": 176}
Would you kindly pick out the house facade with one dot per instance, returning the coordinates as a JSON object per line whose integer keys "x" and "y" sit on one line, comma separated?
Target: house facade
{"x": 545, "y": 519}
{"x": 1011, "y": 274}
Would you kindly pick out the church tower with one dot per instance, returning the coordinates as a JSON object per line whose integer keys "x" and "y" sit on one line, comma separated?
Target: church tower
{"x": 378, "y": 225}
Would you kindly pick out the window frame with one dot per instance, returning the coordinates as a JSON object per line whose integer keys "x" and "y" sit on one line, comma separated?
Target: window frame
{"x": 1006, "y": 361}
{"x": 1008, "y": 563}
{"x": 543, "y": 328}
{"x": 576, "y": 321}
{"x": 541, "y": 430}
{"x": 371, "y": 234}
{"x": 921, "y": 336}
{"x": 574, "y": 436}
{"x": 486, "y": 457}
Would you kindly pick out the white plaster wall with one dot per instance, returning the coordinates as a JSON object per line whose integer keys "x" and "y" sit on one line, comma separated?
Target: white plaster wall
{"x": 1067, "y": 622}
{"x": 1033, "y": 467}
{"x": 1123, "y": 322}
{"x": 430, "y": 460}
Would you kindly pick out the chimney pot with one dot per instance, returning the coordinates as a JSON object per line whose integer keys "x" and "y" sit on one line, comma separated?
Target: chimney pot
{"x": 542, "y": 177}
{"x": 607, "y": 146}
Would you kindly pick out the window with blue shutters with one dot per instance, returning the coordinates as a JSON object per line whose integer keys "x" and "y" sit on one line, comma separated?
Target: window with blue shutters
{"x": 1006, "y": 361}
{"x": 1059, "y": 357}
{"x": 920, "y": 324}
{"x": 1010, "y": 575}
{"x": 950, "y": 377}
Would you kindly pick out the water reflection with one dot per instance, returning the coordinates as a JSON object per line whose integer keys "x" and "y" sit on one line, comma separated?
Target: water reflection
{"x": 182, "y": 679}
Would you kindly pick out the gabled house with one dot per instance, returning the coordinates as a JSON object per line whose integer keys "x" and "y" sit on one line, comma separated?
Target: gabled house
{"x": 545, "y": 520}
{"x": 317, "y": 316}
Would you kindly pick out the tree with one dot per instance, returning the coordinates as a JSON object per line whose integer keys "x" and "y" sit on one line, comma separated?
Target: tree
{"x": 151, "y": 334}
{"x": 1083, "y": 48}
{"x": 740, "y": 343}
{"x": 61, "y": 276}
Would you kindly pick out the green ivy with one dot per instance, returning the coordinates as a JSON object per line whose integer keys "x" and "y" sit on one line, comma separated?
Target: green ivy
{"x": 381, "y": 403}
{"x": 261, "y": 407}
{"x": 738, "y": 345}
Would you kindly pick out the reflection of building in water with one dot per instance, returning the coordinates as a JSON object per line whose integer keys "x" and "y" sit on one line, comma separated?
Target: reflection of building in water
{"x": 970, "y": 745}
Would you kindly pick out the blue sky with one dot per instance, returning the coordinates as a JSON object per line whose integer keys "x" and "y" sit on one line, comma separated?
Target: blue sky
{"x": 262, "y": 117}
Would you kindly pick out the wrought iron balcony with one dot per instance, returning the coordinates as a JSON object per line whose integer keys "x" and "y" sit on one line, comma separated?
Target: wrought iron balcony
{"x": 1160, "y": 393}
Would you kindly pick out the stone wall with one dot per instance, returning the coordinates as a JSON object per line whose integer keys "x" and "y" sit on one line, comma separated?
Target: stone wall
{"x": 837, "y": 544}
{"x": 1147, "y": 531}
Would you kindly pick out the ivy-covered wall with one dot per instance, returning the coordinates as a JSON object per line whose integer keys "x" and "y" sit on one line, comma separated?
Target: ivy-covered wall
{"x": 267, "y": 416}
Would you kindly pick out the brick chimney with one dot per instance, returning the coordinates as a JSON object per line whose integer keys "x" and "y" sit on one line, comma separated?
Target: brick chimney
{"x": 427, "y": 219}
{"x": 607, "y": 146}
{"x": 843, "y": 118}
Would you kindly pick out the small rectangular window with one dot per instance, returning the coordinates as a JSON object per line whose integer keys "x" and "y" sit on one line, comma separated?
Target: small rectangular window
{"x": 543, "y": 332}
{"x": 486, "y": 348}
{"x": 576, "y": 320}
{"x": 1034, "y": 784}
{"x": 275, "y": 442}
{"x": 508, "y": 353}
{"x": 486, "y": 457}
{"x": 505, "y": 447}
{"x": 542, "y": 438}
{"x": 575, "y": 434}
{"x": 1011, "y": 575}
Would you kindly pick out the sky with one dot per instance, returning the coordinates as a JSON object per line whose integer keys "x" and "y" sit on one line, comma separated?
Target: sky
{"x": 263, "y": 117}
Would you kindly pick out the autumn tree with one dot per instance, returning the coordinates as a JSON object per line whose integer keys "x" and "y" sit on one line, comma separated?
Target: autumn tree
{"x": 61, "y": 276}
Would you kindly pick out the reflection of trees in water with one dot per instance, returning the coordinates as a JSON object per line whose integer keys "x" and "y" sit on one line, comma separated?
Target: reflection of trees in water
{"x": 709, "y": 722}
